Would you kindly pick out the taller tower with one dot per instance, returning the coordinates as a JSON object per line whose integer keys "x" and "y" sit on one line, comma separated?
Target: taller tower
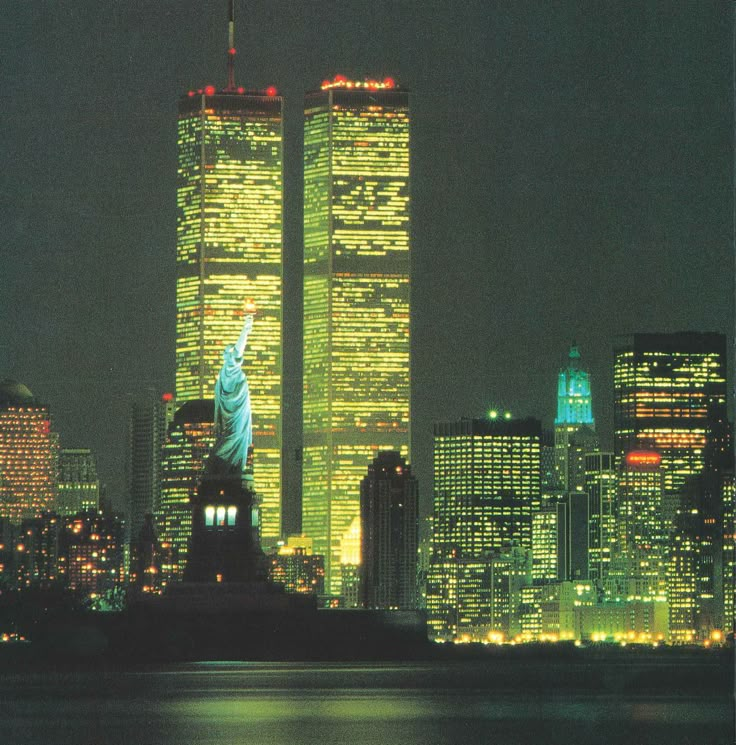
{"x": 356, "y": 299}
{"x": 229, "y": 248}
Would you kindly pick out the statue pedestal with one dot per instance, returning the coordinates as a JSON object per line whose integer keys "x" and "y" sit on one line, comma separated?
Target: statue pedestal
{"x": 224, "y": 546}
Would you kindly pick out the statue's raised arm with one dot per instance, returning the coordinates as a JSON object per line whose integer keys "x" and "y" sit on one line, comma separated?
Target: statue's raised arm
{"x": 233, "y": 426}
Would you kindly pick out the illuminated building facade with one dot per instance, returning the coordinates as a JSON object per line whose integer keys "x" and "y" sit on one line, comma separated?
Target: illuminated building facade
{"x": 37, "y": 552}
{"x": 729, "y": 553}
{"x": 486, "y": 490}
{"x": 229, "y": 249}
{"x": 700, "y": 576}
{"x": 670, "y": 397}
{"x": 639, "y": 567}
{"x": 389, "y": 514}
{"x": 78, "y": 488}
{"x": 149, "y": 418}
{"x": 296, "y": 568}
{"x": 188, "y": 444}
{"x": 94, "y": 552}
{"x": 28, "y": 454}
{"x": 600, "y": 488}
{"x": 356, "y": 300}
{"x": 574, "y": 418}
{"x": 549, "y": 544}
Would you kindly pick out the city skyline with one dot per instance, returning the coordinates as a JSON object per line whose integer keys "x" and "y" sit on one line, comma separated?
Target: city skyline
{"x": 651, "y": 192}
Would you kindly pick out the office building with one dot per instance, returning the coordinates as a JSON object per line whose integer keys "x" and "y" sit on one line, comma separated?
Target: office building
{"x": 229, "y": 249}
{"x": 28, "y": 454}
{"x": 574, "y": 423}
{"x": 78, "y": 488}
{"x": 638, "y": 569}
{"x": 670, "y": 397}
{"x": 356, "y": 299}
{"x": 293, "y": 566}
{"x": 486, "y": 490}
{"x": 389, "y": 515}
{"x": 600, "y": 490}
{"x": 188, "y": 444}
{"x": 149, "y": 418}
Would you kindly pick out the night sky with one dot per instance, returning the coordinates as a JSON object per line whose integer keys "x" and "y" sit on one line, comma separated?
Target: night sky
{"x": 571, "y": 179}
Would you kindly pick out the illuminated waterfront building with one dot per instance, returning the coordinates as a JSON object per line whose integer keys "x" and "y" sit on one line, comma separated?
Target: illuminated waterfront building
{"x": 700, "y": 572}
{"x": 296, "y": 568}
{"x": 670, "y": 397}
{"x": 149, "y": 418}
{"x": 28, "y": 454}
{"x": 78, "y": 487}
{"x": 229, "y": 249}
{"x": 638, "y": 570}
{"x": 486, "y": 490}
{"x": 188, "y": 444}
{"x": 389, "y": 513}
{"x": 37, "y": 552}
{"x": 600, "y": 489}
{"x": 549, "y": 547}
{"x": 94, "y": 552}
{"x": 356, "y": 299}
{"x": 729, "y": 553}
{"x": 574, "y": 420}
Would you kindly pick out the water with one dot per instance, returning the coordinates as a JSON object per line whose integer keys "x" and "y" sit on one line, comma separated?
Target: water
{"x": 289, "y": 704}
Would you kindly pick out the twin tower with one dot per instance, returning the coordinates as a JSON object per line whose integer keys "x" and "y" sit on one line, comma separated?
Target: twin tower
{"x": 230, "y": 197}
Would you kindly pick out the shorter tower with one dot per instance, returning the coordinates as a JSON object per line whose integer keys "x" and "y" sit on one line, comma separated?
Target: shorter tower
{"x": 149, "y": 419}
{"x": 639, "y": 569}
{"x": 79, "y": 487}
{"x": 389, "y": 504}
{"x": 189, "y": 441}
{"x": 600, "y": 488}
{"x": 28, "y": 454}
{"x": 486, "y": 490}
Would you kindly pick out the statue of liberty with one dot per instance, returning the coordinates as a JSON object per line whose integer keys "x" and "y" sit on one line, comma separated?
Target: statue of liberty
{"x": 231, "y": 454}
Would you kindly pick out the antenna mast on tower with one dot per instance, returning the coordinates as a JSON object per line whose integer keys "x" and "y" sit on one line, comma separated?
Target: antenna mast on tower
{"x": 231, "y": 47}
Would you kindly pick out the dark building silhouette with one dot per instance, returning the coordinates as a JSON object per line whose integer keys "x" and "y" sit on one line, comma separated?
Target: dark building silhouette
{"x": 389, "y": 516}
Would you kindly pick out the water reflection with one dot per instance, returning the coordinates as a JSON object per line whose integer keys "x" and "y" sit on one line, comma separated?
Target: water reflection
{"x": 295, "y": 704}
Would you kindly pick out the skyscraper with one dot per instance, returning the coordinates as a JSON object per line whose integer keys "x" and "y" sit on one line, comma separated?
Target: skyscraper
{"x": 389, "y": 514}
{"x": 78, "y": 487}
{"x": 188, "y": 444}
{"x": 148, "y": 421}
{"x": 229, "y": 249}
{"x": 28, "y": 454}
{"x": 356, "y": 299}
{"x": 574, "y": 423}
{"x": 486, "y": 490}
{"x": 639, "y": 566}
{"x": 670, "y": 396}
{"x": 600, "y": 488}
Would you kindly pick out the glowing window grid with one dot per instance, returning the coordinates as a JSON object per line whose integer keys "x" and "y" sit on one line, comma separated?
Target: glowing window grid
{"x": 356, "y": 303}
{"x": 229, "y": 248}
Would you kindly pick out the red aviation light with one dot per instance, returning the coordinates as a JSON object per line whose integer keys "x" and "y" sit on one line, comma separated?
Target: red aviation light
{"x": 231, "y": 51}
{"x": 271, "y": 90}
{"x": 389, "y": 82}
{"x": 643, "y": 458}
{"x": 190, "y": 94}
{"x": 167, "y": 397}
{"x": 209, "y": 90}
{"x": 325, "y": 84}
{"x": 340, "y": 79}
{"x": 241, "y": 90}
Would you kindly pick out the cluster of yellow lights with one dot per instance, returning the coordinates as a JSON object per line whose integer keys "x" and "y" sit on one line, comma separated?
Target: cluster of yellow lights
{"x": 340, "y": 81}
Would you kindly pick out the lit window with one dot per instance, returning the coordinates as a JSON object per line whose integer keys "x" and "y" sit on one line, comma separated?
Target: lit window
{"x": 220, "y": 516}
{"x": 231, "y": 515}
{"x": 209, "y": 516}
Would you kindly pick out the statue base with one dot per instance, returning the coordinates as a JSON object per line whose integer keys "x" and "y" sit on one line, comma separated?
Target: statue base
{"x": 224, "y": 546}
